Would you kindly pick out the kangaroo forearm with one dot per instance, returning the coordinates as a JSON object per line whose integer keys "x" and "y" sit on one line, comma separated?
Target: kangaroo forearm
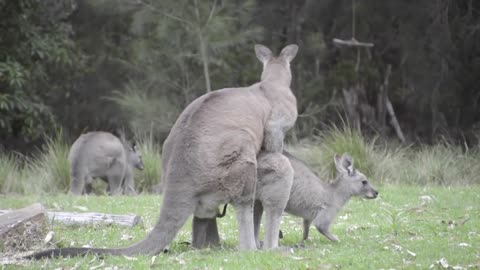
{"x": 273, "y": 140}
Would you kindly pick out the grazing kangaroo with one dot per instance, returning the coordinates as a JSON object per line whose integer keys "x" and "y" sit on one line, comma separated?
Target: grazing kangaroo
{"x": 319, "y": 202}
{"x": 103, "y": 155}
{"x": 210, "y": 156}
{"x": 310, "y": 198}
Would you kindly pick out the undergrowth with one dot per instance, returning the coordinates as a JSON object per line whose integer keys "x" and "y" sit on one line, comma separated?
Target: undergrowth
{"x": 383, "y": 162}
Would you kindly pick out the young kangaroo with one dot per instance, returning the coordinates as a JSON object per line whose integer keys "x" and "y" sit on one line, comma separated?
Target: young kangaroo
{"x": 319, "y": 202}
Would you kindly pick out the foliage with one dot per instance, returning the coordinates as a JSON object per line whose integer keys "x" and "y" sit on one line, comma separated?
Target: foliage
{"x": 35, "y": 48}
{"x": 104, "y": 65}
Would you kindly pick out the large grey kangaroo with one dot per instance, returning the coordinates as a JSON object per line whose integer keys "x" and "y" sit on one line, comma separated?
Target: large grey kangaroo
{"x": 210, "y": 156}
{"x": 103, "y": 155}
{"x": 310, "y": 198}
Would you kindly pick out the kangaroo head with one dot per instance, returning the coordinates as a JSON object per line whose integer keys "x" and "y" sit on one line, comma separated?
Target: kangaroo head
{"x": 135, "y": 156}
{"x": 276, "y": 68}
{"x": 351, "y": 180}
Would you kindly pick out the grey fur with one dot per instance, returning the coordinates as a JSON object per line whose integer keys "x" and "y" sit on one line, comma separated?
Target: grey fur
{"x": 318, "y": 202}
{"x": 103, "y": 155}
{"x": 275, "y": 178}
{"x": 210, "y": 156}
{"x": 310, "y": 198}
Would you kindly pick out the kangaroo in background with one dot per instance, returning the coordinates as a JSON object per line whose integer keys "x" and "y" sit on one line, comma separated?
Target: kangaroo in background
{"x": 103, "y": 155}
{"x": 210, "y": 156}
{"x": 310, "y": 198}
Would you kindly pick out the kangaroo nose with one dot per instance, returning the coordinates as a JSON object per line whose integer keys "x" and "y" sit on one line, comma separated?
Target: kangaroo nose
{"x": 375, "y": 193}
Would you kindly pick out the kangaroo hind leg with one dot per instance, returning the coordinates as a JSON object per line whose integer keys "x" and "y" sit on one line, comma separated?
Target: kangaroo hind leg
{"x": 244, "y": 175}
{"x": 275, "y": 179}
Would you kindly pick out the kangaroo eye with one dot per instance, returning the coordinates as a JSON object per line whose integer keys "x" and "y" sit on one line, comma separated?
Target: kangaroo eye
{"x": 364, "y": 182}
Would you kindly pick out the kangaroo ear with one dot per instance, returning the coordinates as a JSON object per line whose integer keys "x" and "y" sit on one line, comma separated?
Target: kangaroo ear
{"x": 289, "y": 52}
{"x": 338, "y": 163}
{"x": 263, "y": 53}
{"x": 347, "y": 162}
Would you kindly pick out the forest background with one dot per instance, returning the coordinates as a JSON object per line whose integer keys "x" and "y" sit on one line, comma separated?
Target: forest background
{"x": 82, "y": 65}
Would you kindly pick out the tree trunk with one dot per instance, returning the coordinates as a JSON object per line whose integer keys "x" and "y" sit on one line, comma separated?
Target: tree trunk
{"x": 204, "y": 56}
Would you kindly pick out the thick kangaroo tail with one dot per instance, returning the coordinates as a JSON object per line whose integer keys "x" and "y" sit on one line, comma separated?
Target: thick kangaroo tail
{"x": 175, "y": 212}
{"x": 65, "y": 252}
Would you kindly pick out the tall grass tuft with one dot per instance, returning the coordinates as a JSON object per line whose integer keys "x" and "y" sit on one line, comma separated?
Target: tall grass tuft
{"x": 10, "y": 173}
{"x": 151, "y": 175}
{"x": 440, "y": 164}
{"x": 443, "y": 164}
{"x": 320, "y": 152}
{"x": 48, "y": 171}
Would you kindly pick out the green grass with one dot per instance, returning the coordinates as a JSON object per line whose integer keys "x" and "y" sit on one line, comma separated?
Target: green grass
{"x": 152, "y": 159}
{"x": 374, "y": 234}
{"x": 391, "y": 163}
{"x": 10, "y": 173}
{"x": 49, "y": 168}
{"x": 383, "y": 162}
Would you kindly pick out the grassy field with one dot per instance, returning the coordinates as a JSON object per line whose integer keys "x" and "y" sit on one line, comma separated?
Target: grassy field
{"x": 407, "y": 227}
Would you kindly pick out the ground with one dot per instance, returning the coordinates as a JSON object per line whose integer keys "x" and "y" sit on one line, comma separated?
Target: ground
{"x": 407, "y": 227}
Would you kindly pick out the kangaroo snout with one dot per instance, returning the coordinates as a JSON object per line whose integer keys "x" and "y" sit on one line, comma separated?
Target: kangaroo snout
{"x": 372, "y": 194}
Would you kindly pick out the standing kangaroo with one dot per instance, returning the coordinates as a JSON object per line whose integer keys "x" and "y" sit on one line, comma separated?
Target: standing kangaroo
{"x": 319, "y": 202}
{"x": 310, "y": 198}
{"x": 103, "y": 155}
{"x": 210, "y": 156}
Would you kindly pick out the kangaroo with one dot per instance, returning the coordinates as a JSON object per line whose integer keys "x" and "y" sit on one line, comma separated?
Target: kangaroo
{"x": 210, "y": 155}
{"x": 310, "y": 198}
{"x": 319, "y": 202}
{"x": 103, "y": 155}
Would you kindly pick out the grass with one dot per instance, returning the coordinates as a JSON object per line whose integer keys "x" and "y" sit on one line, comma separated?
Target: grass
{"x": 387, "y": 163}
{"x": 49, "y": 168}
{"x": 152, "y": 160}
{"x": 407, "y": 227}
{"x": 10, "y": 173}
{"x": 390, "y": 163}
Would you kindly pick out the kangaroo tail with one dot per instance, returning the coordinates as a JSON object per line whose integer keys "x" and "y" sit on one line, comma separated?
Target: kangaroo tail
{"x": 175, "y": 212}
{"x": 66, "y": 252}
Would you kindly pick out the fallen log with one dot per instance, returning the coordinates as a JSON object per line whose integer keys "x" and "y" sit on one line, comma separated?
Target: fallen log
{"x": 22, "y": 229}
{"x": 74, "y": 218}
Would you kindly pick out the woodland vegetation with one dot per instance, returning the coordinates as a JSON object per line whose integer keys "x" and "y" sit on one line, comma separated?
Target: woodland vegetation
{"x": 81, "y": 65}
